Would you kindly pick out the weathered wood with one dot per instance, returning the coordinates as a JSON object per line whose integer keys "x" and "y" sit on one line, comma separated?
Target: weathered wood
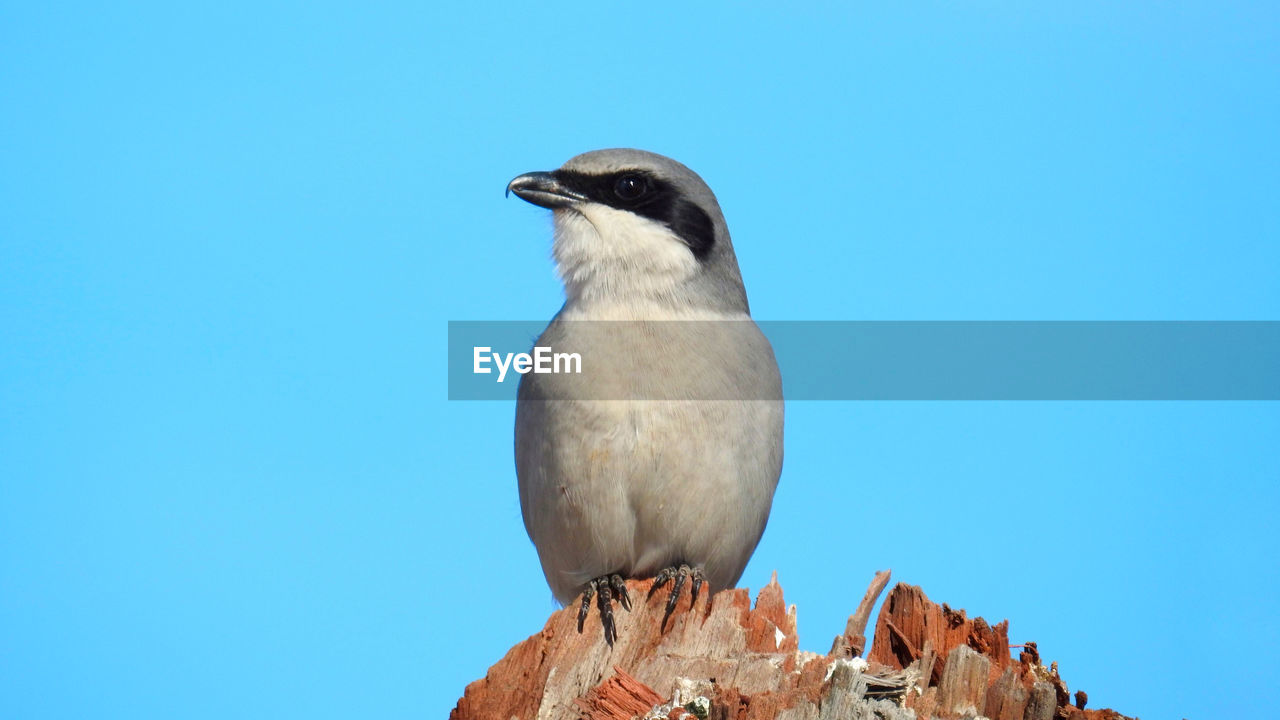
{"x": 1006, "y": 698}
{"x": 621, "y": 697}
{"x": 733, "y": 661}
{"x": 909, "y": 623}
{"x": 1042, "y": 703}
{"x": 908, "y": 619}
{"x": 854, "y": 641}
{"x": 963, "y": 690}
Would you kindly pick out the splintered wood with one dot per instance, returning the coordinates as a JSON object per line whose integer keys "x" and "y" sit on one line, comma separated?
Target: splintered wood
{"x": 725, "y": 659}
{"x": 962, "y": 668}
{"x": 620, "y": 697}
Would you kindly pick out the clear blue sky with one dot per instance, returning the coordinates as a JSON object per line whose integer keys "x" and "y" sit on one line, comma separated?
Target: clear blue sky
{"x": 231, "y": 237}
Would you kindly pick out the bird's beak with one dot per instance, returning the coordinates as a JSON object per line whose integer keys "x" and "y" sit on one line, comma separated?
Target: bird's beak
{"x": 543, "y": 189}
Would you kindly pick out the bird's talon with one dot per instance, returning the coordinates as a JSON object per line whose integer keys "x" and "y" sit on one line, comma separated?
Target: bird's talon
{"x": 661, "y": 579}
{"x": 680, "y": 574}
{"x": 674, "y": 597}
{"x": 586, "y": 603}
{"x": 603, "y": 590}
{"x": 604, "y": 601}
{"x": 620, "y": 589}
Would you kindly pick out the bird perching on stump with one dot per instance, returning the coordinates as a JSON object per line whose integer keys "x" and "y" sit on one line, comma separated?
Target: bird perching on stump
{"x": 662, "y": 457}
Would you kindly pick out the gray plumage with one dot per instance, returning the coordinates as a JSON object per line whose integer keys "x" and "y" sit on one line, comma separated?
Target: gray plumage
{"x": 611, "y": 482}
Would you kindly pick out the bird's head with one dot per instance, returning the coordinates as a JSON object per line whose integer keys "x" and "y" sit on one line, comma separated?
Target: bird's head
{"x": 636, "y": 227}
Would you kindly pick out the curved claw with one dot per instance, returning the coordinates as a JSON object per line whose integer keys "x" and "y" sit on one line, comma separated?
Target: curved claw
{"x": 604, "y": 601}
{"x": 603, "y": 590}
{"x": 679, "y": 574}
{"x": 620, "y": 588}
{"x": 662, "y": 578}
{"x": 586, "y": 603}
{"x": 682, "y": 574}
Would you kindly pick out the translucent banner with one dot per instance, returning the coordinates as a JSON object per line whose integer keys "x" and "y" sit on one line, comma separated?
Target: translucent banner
{"x": 821, "y": 360}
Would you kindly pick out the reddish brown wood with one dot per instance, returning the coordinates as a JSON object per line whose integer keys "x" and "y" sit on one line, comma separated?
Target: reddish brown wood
{"x": 745, "y": 663}
{"x": 854, "y": 641}
{"x": 621, "y": 697}
{"x": 908, "y": 620}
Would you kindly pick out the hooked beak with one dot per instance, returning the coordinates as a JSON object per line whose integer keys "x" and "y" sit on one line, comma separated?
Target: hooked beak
{"x": 544, "y": 190}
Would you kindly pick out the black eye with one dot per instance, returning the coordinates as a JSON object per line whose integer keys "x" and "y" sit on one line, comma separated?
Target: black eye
{"x": 630, "y": 187}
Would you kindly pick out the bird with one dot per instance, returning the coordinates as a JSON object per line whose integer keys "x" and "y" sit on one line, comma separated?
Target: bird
{"x": 663, "y": 460}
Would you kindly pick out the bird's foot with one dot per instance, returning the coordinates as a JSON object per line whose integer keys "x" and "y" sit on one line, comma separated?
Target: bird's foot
{"x": 679, "y": 574}
{"x": 603, "y": 589}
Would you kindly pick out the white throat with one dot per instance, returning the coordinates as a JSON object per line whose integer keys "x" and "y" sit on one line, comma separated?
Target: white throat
{"x": 609, "y": 257}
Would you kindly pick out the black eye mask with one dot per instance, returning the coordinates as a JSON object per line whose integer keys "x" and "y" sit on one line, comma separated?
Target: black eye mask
{"x": 641, "y": 193}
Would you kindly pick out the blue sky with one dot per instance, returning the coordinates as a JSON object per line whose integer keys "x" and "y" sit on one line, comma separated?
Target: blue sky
{"x": 232, "y": 236}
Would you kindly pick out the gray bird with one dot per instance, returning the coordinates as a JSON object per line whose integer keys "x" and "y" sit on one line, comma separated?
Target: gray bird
{"x": 662, "y": 458}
